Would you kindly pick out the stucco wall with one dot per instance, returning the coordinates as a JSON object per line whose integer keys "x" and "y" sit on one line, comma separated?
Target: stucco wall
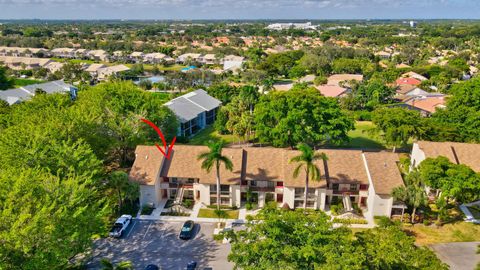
{"x": 417, "y": 156}
{"x": 289, "y": 196}
{"x": 148, "y": 195}
{"x": 204, "y": 193}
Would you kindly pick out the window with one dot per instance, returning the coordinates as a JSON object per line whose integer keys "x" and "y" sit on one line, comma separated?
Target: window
{"x": 224, "y": 200}
{"x": 280, "y": 184}
{"x": 213, "y": 188}
{"x": 224, "y": 188}
{"x": 335, "y": 186}
{"x": 270, "y": 184}
{"x": 363, "y": 187}
{"x": 173, "y": 180}
{"x": 191, "y": 180}
{"x": 253, "y": 183}
{"x": 353, "y": 187}
{"x": 299, "y": 192}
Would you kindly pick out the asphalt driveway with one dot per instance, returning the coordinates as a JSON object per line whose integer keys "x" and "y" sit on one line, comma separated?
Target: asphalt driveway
{"x": 151, "y": 242}
{"x": 459, "y": 256}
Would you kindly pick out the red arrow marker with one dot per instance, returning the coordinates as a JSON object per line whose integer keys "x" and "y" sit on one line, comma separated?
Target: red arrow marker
{"x": 168, "y": 151}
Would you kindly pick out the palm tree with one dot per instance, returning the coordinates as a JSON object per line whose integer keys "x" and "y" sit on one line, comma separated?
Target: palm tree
{"x": 413, "y": 193}
{"x": 213, "y": 158}
{"x": 307, "y": 160}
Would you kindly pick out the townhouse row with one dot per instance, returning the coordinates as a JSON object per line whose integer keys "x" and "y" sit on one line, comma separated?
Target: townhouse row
{"x": 265, "y": 174}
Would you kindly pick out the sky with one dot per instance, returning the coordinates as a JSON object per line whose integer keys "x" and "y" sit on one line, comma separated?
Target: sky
{"x": 239, "y": 9}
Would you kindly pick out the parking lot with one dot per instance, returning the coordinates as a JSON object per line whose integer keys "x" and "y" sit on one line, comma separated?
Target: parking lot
{"x": 152, "y": 242}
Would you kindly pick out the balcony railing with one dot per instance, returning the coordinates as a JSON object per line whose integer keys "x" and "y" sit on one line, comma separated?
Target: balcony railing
{"x": 263, "y": 189}
{"x": 346, "y": 192}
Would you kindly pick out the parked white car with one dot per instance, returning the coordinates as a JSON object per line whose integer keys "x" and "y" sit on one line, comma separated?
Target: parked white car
{"x": 120, "y": 225}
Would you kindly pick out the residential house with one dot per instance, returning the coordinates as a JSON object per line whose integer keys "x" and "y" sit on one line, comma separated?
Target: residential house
{"x": 410, "y": 81}
{"x": 63, "y": 52}
{"x": 233, "y": 63}
{"x": 184, "y": 58}
{"x": 94, "y": 68}
{"x": 427, "y": 104}
{"x": 194, "y": 110}
{"x": 414, "y": 75}
{"x": 348, "y": 176}
{"x": 157, "y": 58}
{"x": 53, "y": 67}
{"x": 458, "y": 153}
{"x": 24, "y": 63}
{"x": 338, "y": 79}
{"x": 108, "y": 71}
{"x": 333, "y": 90}
{"x": 17, "y": 95}
{"x": 208, "y": 59}
{"x": 136, "y": 56}
{"x": 98, "y": 55}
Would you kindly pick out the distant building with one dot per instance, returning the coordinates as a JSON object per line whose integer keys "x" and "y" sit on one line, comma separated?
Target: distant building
{"x": 284, "y": 26}
{"x": 413, "y": 24}
{"x": 18, "y": 95}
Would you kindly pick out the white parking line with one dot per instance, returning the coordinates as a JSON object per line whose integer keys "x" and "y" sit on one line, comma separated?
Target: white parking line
{"x": 131, "y": 229}
{"x": 149, "y": 225}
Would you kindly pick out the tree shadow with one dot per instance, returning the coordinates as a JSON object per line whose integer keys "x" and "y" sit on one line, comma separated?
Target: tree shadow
{"x": 159, "y": 245}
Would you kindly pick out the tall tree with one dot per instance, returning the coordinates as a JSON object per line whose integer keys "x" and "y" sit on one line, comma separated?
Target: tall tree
{"x": 214, "y": 158}
{"x": 413, "y": 193}
{"x": 288, "y": 118}
{"x": 398, "y": 125}
{"x": 306, "y": 161}
{"x": 5, "y": 81}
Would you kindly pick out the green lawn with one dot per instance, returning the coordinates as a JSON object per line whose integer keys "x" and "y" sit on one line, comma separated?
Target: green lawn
{"x": 361, "y": 138}
{"x": 455, "y": 232}
{"x": 210, "y": 213}
{"x": 209, "y": 134}
{"x": 24, "y": 82}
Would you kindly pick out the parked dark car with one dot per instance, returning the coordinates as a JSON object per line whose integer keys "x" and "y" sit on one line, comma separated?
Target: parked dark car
{"x": 187, "y": 230}
{"x": 192, "y": 265}
{"x": 152, "y": 267}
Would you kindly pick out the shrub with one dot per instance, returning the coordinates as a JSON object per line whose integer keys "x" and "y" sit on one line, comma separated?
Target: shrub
{"x": 147, "y": 210}
{"x": 383, "y": 221}
{"x": 188, "y": 203}
{"x": 249, "y": 206}
{"x": 218, "y": 237}
{"x": 350, "y": 220}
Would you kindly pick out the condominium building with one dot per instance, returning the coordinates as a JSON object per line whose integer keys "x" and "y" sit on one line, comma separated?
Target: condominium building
{"x": 266, "y": 175}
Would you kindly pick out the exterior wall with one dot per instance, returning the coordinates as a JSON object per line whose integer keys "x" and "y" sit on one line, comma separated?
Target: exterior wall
{"x": 235, "y": 191}
{"x": 321, "y": 193}
{"x": 377, "y": 205}
{"x": 148, "y": 195}
{"x": 204, "y": 191}
{"x": 417, "y": 156}
{"x": 289, "y": 196}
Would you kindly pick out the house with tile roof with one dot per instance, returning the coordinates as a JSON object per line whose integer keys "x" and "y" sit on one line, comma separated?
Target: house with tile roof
{"x": 365, "y": 179}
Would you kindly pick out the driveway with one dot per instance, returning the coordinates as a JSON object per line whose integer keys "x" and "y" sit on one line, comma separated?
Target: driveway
{"x": 459, "y": 256}
{"x": 152, "y": 242}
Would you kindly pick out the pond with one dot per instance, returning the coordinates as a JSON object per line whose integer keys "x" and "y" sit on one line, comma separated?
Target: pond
{"x": 152, "y": 79}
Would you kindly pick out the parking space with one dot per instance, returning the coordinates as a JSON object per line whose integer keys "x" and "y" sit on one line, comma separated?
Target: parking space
{"x": 152, "y": 242}
{"x": 459, "y": 256}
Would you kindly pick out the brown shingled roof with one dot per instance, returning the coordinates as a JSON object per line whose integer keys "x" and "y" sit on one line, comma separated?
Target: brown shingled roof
{"x": 185, "y": 164}
{"x": 147, "y": 165}
{"x": 466, "y": 153}
{"x": 343, "y": 166}
{"x": 384, "y": 171}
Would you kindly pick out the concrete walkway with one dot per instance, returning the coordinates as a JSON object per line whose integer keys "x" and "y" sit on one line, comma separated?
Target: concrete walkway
{"x": 196, "y": 209}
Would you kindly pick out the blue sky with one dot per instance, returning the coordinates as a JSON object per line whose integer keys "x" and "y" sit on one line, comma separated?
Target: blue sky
{"x": 239, "y": 9}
